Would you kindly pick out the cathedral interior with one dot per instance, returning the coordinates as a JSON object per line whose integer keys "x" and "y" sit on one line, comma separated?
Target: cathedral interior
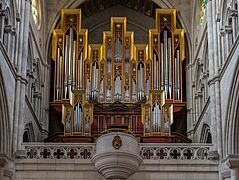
{"x": 119, "y": 89}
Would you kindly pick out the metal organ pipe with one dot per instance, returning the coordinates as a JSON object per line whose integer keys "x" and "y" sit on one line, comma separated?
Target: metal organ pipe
{"x": 80, "y": 61}
{"x": 60, "y": 75}
{"x": 162, "y": 66}
{"x": 66, "y": 65}
{"x": 140, "y": 81}
{"x": 74, "y": 64}
{"x": 170, "y": 67}
{"x": 165, "y": 37}
{"x": 153, "y": 119}
{"x": 57, "y": 73}
{"x": 102, "y": 90}
{"x": 118, "y": 50}
{"x": 80, "y": 118}
{"x": 96, "y": 81}
{"x": 71, "y": 50}
{"x": 75, "y": 118}
{"x": 177, "y": 75}
{"x": 155, "y": 71}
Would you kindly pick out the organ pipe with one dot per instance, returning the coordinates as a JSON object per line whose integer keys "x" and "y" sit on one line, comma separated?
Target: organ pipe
{"x": 80, "y": 62}
{"x": 58, "y": 75}
{"x": 155, "y": 71}
{"x": 74, "y": 64}
{"x": 177, "y": 75}
{"x": 162, "y": 66}
{"x": 165, "y": 37}
{"x": 170, "y": 67}
{"x": 71, "y": 50}
{"x": 66, "y": 65}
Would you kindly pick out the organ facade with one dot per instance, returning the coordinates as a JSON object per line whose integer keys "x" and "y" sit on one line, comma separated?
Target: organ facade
{"x": 118, "y": 85}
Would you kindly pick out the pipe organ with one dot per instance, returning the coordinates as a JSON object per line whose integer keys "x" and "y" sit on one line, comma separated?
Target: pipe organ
{"x": 118, "y": 84}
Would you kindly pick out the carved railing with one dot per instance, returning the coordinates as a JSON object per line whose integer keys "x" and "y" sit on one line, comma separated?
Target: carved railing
{"x": 148, "y": 151}
{"x": 58, "y": 150}
{"x": 174, "y": 151}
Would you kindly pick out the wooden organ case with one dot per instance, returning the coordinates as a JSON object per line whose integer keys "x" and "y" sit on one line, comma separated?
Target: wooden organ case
{"x": 118, "y": 84}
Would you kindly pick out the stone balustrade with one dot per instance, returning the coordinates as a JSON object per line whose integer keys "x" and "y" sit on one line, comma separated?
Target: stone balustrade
{"x": 58, "y": 150}
{"x": 177, "y": 151}
{"x": 153, "y": 151}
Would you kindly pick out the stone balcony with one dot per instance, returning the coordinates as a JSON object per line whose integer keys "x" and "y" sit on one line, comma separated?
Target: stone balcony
{"x": 73, "y": 161}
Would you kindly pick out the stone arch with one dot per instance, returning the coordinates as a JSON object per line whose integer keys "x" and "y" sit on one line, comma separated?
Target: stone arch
{"x": 28, "y": 135}
{"x": 5, "y": 133}
{"x": 231, "y": 136}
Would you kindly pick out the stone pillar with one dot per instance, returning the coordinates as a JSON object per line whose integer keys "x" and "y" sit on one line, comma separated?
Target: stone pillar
{"x": 18, "y": 80}
{"x": 189, "y": 100}
{"x": 211, "y": 74}
{"x": 216, "y": 78}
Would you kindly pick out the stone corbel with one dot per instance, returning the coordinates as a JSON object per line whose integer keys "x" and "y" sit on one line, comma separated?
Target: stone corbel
{"x": 222, "y": 32}
{"x": 8, "y": 28}
{"x": 232, "y": 161}
{"x": 213, "y": 155}
{"x": 35, "y": 61}
{"x": 2, "y": 12}
{"x": 193, "y": 84}
{"x": 233, "y": 13}
{"x": 7, "y": 166}
{"x": 228, "y": 29}
{"x": 13, "y": 31}
{"x": 18, "y": 17}
{"x": 218, "y": 17}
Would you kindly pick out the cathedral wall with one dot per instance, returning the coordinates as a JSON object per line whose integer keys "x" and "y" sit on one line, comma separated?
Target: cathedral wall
{"x": 227, "y": 79}
{"x": 83, "y": 170}
{"x": 31, "y": 119}
{"x": 8, "y": 75}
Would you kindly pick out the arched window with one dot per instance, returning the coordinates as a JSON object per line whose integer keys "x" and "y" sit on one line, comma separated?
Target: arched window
{"x": 36, "y": 12}
{"x": 202, "y": 11}
{"x": 201, "y": 7}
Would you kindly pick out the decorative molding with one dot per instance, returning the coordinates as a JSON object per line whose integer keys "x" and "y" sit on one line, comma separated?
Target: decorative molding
{"x": 33, "y": 113}
{"x": 193, "y": 131}
{"x": 232, "y": 52}
{"x": 58, "y": 150}
{"x": 176, "y": 152}
{"x": 7, "y": 59}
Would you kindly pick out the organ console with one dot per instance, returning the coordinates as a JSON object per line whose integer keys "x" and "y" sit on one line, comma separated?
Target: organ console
{"x": 118, "y": 84}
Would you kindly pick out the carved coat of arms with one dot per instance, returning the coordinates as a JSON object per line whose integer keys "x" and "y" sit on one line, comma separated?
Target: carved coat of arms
{"x": 117, "y": 142}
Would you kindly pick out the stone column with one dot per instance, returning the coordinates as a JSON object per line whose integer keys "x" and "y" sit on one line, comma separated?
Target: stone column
{"x": 211, "y": 74}
{"x": 24, "y": 70}
{"x": 18, "y": 80}
{"x": 189, "y": 100}
{"x": 217, "y": 79}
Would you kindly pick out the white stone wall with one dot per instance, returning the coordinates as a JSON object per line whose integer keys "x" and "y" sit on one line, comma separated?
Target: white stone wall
{"x": 83, "y": 169}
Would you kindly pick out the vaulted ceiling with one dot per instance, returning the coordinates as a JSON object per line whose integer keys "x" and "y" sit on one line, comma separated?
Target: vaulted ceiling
{"x": 91, "y": 7}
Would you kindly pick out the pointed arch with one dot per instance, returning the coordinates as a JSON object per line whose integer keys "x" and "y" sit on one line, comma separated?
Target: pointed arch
{"x": 231, "y": 135}
{"x": 5, "y": 131}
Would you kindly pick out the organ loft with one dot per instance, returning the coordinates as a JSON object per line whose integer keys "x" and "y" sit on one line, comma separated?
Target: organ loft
{"x": 118, "y": 85}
